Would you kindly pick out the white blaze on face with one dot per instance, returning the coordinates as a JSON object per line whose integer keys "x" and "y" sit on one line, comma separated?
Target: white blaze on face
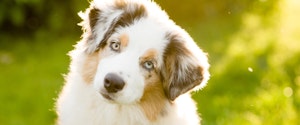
{"x": 135, "y": 41}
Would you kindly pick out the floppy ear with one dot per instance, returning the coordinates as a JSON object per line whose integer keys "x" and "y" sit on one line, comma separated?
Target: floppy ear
{"x": 102, "y": 18}
{"x": 183, "y": 69}
{"x": 98, "y": 23}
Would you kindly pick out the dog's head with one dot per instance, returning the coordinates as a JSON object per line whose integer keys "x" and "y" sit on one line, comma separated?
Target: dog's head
{"x": 134, "y": 52}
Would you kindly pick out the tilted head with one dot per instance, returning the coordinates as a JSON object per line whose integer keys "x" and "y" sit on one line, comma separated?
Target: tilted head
{"x": 134, "y": 53}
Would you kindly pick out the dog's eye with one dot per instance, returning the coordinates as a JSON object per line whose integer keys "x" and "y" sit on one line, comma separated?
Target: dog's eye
{"x": 115, "y": 45}
{"x": 148, "y": 65}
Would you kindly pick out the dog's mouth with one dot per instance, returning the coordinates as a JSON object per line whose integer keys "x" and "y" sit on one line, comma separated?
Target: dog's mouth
{"x": 107, "y": 96}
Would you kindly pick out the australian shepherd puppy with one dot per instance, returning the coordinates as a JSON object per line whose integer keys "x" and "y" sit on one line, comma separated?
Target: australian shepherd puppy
{"x": 133, "y": 66}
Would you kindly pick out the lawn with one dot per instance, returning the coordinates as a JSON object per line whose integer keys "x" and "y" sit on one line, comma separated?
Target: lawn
{"x": 254, "y": 57}
{"x": 31, "y": 77}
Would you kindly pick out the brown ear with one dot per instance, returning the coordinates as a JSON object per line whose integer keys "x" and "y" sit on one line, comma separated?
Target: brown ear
{"x": 97, "y": 25}
{"x": 182, "y": 70}
{"x": 100, "y": 23}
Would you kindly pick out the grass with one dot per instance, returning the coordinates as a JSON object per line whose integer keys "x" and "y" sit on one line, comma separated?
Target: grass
{"x": 31, "y": 76}
{"x": 255, "y": 67}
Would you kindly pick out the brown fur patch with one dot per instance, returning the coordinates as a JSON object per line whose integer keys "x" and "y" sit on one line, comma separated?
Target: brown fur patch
{"x": 129, "y": 15}
{"x": 120, "y": 3}
{"x": 181, "y": 72}
{"x": 124, "y": 40}
{"x": 149, "y": 55}
{"x": 93, "y": 17}
{"x": 154, "y": 100}
{"x": 90, "y": 67}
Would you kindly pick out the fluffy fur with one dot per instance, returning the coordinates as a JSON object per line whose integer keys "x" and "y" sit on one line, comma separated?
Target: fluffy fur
{"x": 154, "y": 62}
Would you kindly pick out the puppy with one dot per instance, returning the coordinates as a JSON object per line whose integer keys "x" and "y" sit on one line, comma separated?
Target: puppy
{"x": 133, "y": 66}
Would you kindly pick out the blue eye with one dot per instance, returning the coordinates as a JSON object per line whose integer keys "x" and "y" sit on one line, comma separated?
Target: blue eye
{"x": 148, "y": 65}
{"x": 115, "y": 45}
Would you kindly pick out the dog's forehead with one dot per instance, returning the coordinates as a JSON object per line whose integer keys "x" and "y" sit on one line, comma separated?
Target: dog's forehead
{"x": 145, "y": 34}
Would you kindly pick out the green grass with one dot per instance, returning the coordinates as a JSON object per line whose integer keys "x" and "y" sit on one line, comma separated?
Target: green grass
{"x": 255, "y": 68}
{"x": 31, "y": 77}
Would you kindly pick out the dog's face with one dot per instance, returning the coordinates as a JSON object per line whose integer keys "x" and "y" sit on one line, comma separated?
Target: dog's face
{"x": 134, "y": 53}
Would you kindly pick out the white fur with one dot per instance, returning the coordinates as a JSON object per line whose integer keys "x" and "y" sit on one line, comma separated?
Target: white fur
{"x": 81, "y": 103}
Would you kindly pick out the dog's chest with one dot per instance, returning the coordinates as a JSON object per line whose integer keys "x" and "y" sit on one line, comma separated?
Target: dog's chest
{"x": 111, "y": 114}
{"x": 85, "y": 107}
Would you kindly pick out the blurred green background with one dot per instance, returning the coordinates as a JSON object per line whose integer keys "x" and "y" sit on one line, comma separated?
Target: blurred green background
{"x": 253, "y": 47}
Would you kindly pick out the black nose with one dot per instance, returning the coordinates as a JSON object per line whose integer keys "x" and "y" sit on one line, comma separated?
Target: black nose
{"x": 113, "y": 83}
